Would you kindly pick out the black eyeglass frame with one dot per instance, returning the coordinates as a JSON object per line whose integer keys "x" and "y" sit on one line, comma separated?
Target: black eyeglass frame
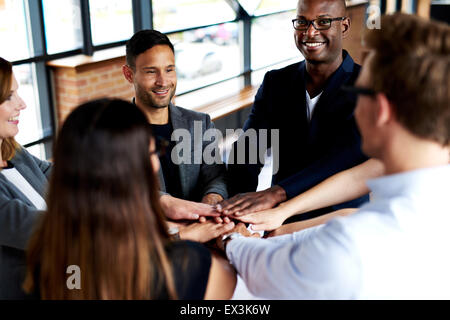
{"x": 359, "y": 90}
{"x": 314, "y": 23}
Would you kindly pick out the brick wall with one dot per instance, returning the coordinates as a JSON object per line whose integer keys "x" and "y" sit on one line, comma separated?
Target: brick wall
{"x": 353, "y": 42}
{"x": 76, "y": 85}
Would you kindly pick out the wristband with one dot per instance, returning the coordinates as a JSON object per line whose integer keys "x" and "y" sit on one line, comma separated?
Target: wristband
{"x": 174, "y": 233}
{"x": 230, "y": 236}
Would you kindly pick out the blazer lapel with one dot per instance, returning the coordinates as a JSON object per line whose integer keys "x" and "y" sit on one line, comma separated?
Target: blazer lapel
{"x": 178, "y": 122}
{"x": 332, "y": 87}
{"x": 298, "y": 95}
{"x": 37, "y": 184}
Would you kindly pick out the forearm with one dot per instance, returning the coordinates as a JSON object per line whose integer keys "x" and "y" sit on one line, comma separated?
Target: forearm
{"x": 302, "y": 225}
{"x": 251, "y": 258}
{"x": 341, "y": 187}
{"x": 216, "y": 184}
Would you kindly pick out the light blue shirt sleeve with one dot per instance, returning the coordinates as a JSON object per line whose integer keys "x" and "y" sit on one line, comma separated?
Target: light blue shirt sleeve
{"x": 296, "y": 236}
{"x": 317, "y": 263}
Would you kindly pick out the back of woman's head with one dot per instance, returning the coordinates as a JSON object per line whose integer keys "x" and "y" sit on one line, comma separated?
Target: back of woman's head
{"x": 103, "y": 210}
{"x": 103, "y": 151}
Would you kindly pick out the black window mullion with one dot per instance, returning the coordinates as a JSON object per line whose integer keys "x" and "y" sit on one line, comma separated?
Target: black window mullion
{"x": 88, "y": 47}
{"x": 37, "y": 32}
{"x": 142, "y": 14}
{"x": 247, "y": 49}
{"x": 36, "y": 28}
{"x": 245, "y": 39}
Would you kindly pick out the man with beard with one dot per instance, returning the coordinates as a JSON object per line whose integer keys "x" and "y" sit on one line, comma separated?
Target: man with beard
{"x": 189, "y": 189}
{"x": 318, "y": 136}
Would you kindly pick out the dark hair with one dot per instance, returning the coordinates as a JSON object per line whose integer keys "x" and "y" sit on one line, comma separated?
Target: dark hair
{"x": 9, "y": 145}
{"x": 143, "y": 40}
{"x": 342, "y": 4}
{"x": 103, "y": 210}
{"x": 411, "y": 66}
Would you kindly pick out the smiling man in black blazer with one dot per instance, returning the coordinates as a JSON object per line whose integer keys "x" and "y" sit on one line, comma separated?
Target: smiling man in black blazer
{"x": 318, "y": 136}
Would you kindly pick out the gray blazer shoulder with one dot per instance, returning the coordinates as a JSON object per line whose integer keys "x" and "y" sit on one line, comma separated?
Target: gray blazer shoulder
{"x": 190, "y": 114}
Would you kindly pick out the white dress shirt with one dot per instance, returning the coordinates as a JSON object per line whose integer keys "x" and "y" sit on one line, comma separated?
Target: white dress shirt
{"x": 311, "y": 103}
{"x": 25, "y": 187}
{"x": 396, "y": 247}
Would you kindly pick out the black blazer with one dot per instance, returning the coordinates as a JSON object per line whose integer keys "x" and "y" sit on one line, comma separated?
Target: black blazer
{"x": 309, "y": 152}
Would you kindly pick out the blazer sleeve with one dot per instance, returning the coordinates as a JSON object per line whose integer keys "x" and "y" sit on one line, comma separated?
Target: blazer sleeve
{"x": 45, "y": 166}
{"x": 17, "y": 220}
{"x": 342, "y": 156}
{"x": 243, "y": 177}
{"x": 212, "y": 176}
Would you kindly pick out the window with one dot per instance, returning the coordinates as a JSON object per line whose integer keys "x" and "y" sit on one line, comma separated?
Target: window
{"x": 262, "y": 7}
{"x": 206, "y": 55}
{"x": 111, "y": 20}
{"x": 210, "y": 37}
{"x": 273, "y": 39}
{"x": 62, "y": 20}
{"x": 270, "y": 6}
{"x": 250, "y": 5}
{"x": 170, "y": 15}
{"x": 30, "y": 127}
{"x": 13, "y": 30}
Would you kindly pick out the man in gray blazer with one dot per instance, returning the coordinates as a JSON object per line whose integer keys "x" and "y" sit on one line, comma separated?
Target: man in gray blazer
{"x": 189, "y": 188}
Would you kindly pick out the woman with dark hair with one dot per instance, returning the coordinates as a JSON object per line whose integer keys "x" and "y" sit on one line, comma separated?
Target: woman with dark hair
{"x": 104, "y": 216}
{"x": 23, "y": 179}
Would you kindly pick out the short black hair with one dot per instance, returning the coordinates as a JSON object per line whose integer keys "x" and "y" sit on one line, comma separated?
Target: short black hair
{"x": 143, "y": 40}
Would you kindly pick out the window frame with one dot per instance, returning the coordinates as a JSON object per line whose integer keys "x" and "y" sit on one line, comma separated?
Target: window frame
{"x": 142, "y": 12}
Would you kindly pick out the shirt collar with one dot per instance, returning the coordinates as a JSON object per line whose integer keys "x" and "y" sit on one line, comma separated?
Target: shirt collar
{"x": 420, "y": 181}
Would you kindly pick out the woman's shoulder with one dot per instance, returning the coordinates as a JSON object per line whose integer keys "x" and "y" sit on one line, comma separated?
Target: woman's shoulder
{"x": 23, "y": 156}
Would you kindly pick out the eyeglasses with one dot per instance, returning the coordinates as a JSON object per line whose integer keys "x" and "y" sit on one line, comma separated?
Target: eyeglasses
{"x": 161, "y": 146}
{"x": 318, "y": 24}
{"x": 359, "y": 90}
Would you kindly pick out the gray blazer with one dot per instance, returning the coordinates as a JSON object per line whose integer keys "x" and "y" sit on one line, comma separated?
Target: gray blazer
{"x": 198, "y": 179}
{"x": 17, "y": 219}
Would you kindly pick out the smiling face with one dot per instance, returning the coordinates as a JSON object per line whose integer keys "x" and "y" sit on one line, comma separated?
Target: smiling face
{"x": 155, "y": 78}
{"x": 321, "y": 46}
{"x": 10, "y": 111}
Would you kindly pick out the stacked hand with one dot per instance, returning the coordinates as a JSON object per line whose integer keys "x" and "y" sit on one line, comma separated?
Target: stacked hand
{"x": 209, "y": 224}
{"x": 245, "y": 203}
{"x": 205, "y": 231}
{"x": 256, "y": 208}
{"x": 179, "y": 209}
{"x": 240, "y": 228}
